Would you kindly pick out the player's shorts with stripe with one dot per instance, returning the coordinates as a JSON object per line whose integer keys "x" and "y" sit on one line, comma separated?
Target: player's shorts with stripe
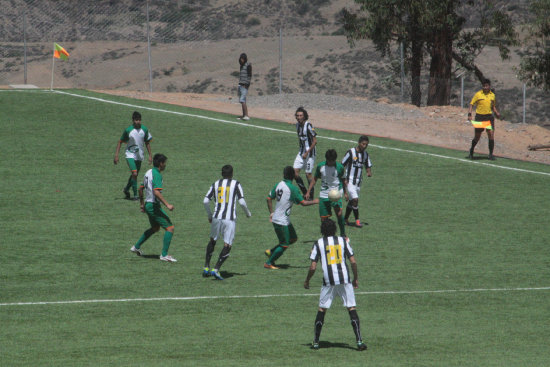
{"x": 325, "y": 206}
{"x": 285, "y": 234}
{"x": 157, "y": 216}
{"x": 225, "y": 227}
{"x": 306, "y": 164}
{"x": 353, "y": 191}
{"x": 345, "y": 291}
{"x": 133, "y": 164}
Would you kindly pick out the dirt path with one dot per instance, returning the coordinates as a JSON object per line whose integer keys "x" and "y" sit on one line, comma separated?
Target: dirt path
{"x": 442, "y": 126}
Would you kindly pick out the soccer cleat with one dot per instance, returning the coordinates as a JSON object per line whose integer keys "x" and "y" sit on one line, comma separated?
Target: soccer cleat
{"x": 136, "y": 250}
{"x": 358, "y": 223}
{"x": 361, "y": 346}
{"x": 205, "y": 272}
{"x": 315, "y": 346}
{"x": 216, "y": 274}
{"x": 270, "y": 266}
{"x": 471, "y": 154}
{"x": 126, "y": 194}
{"x": 135, "y": 198}
{"x": 492, "y": 157}
{"x": 168, "y": 258}
{"x": 245, "y": 118}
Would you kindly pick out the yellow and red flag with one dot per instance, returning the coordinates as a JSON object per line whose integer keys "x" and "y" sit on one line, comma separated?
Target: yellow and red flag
{"x": 59, "y": 52}
{"x": 482, "y": 124}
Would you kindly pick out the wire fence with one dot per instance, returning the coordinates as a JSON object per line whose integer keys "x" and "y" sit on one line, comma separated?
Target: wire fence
{"x": 295, "y": 46}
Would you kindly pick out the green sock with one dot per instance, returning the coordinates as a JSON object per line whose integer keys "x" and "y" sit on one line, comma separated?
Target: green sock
{"x": 342, "y": 225}
{"x": 128, "y": 184}
{"x": 166, "y": 242}
{"x": 275, "y": 254}
{"x": 148, "y": 233}
{"x": 134, "y": 186}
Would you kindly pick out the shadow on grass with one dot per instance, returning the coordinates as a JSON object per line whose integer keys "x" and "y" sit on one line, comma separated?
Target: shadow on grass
{"x": 327, "y": 344}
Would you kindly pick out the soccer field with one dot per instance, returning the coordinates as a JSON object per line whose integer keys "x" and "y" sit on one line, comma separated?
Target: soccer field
{"x": 454, "y": 265}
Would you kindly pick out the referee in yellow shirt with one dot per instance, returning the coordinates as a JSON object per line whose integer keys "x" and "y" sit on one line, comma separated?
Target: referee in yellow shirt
{"x": 485, "y": 103}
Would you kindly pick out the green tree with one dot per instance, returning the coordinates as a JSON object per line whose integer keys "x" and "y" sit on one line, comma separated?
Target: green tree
{"x": 535, "y": 64}
{"x": 432, "y": 28}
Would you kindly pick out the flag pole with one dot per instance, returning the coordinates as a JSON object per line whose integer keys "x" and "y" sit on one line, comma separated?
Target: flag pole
{"x": 53, "y": 63}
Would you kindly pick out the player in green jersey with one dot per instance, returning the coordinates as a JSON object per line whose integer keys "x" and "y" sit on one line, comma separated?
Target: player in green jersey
{"x": 286, "y": 195}
{"x": 137, "y": 138}
{"x": 332, "y": 175}
{"x": 150, "y": 204}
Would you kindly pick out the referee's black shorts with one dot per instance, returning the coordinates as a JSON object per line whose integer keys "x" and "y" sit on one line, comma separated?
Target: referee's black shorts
{"x": 489, "y": 117}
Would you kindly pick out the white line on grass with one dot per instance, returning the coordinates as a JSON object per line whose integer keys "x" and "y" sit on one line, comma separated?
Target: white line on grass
{"x": 157, "y": 299}
{"x": 103, "y": 100}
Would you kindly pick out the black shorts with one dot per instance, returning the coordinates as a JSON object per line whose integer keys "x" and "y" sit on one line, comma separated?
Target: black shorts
{"x": 489, "y": 117}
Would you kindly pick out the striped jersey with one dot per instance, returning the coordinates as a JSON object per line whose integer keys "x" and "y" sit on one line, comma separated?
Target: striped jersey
{"x": 152, "y": 181}
{"x": 306, "y": 133}
{"x": 135, "y": 141}
{"x": 332, "y": 252}
{"x": 331, "y": 177}
{"x": 225, "y": 193}
{"x": 286, "y": 195}
{"x": 353, "y": 163}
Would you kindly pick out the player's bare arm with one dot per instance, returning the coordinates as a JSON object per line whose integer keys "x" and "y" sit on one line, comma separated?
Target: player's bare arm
{"x": 354, "y": 271}
{"x": 159, "y": 196}
{"x": 117, "y": 151}
{"x": 310, "y": 273}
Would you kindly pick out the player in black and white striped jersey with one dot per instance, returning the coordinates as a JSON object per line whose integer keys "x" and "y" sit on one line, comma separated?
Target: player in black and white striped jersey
{"x": 354, "y": 161}
{"x": 307, "y": 138}
{"x": 225, "y": 193}
{"x": 332, "y": 251}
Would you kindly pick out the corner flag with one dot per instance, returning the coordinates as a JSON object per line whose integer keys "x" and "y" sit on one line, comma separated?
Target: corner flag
{"x": 59, "y": 52}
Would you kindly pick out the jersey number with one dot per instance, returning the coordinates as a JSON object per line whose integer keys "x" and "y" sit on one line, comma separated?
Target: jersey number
{"x": 279, "y": 194}
{"x": 223, "y": 194}
{"x": 334, "y": 254}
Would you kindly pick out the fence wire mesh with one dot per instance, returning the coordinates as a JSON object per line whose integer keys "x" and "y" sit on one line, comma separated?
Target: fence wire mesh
{"x": 193, "y": 46}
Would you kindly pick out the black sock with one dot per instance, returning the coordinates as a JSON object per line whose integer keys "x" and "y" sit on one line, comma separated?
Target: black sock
{"x": 312, "y": 192}
{"x": 300, "y": 184}
{"x": 209, "y": 251}
{"x": 319, "y": 320}
{"x": 474, "y": 143}
{"x": 223, "y": 256}
{"x": 491, "y": 146}
{"x": 355, "y": 324}
{"x": 356, "y": 213}
{"x": 348, "y": 212}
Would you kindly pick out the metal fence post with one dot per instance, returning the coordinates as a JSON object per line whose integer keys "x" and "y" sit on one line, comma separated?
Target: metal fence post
{"x": 524, "y": 107}
{"x": 149, "y": 48}
{"x": 280, "y": 60}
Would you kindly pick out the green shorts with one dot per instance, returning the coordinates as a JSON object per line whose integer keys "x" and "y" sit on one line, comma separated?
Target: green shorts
{"x": 285, "y": 234}
{"x": 325, "y": 207}
{"x": 157, "y": 216}
{"x": 133, "y": 164}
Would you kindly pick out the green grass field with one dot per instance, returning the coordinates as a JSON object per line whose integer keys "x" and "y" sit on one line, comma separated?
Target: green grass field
{"x": 454, "y": 265}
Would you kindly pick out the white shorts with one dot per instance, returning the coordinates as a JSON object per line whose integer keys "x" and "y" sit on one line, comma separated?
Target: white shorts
{"x": 345, "y": 291}
{"x": 308, "y": 163}
{"x": 353, "y": 191}
{"x": 225, "y": 227}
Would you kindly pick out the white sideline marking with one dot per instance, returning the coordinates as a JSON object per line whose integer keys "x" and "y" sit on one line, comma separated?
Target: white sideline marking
{"x": 271, "y": 296}
{"x": 293, "y": 132}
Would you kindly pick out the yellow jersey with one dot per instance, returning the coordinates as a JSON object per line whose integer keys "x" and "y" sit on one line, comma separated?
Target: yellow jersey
{"x": 484, "y": 102}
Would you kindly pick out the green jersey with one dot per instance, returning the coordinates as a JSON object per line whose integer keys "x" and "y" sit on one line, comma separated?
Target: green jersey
{"x": 151, "y": 182}
{"x": 332, "y": 177}
{"x": 286, "y": 195}
{"x": 135, "y": 140}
